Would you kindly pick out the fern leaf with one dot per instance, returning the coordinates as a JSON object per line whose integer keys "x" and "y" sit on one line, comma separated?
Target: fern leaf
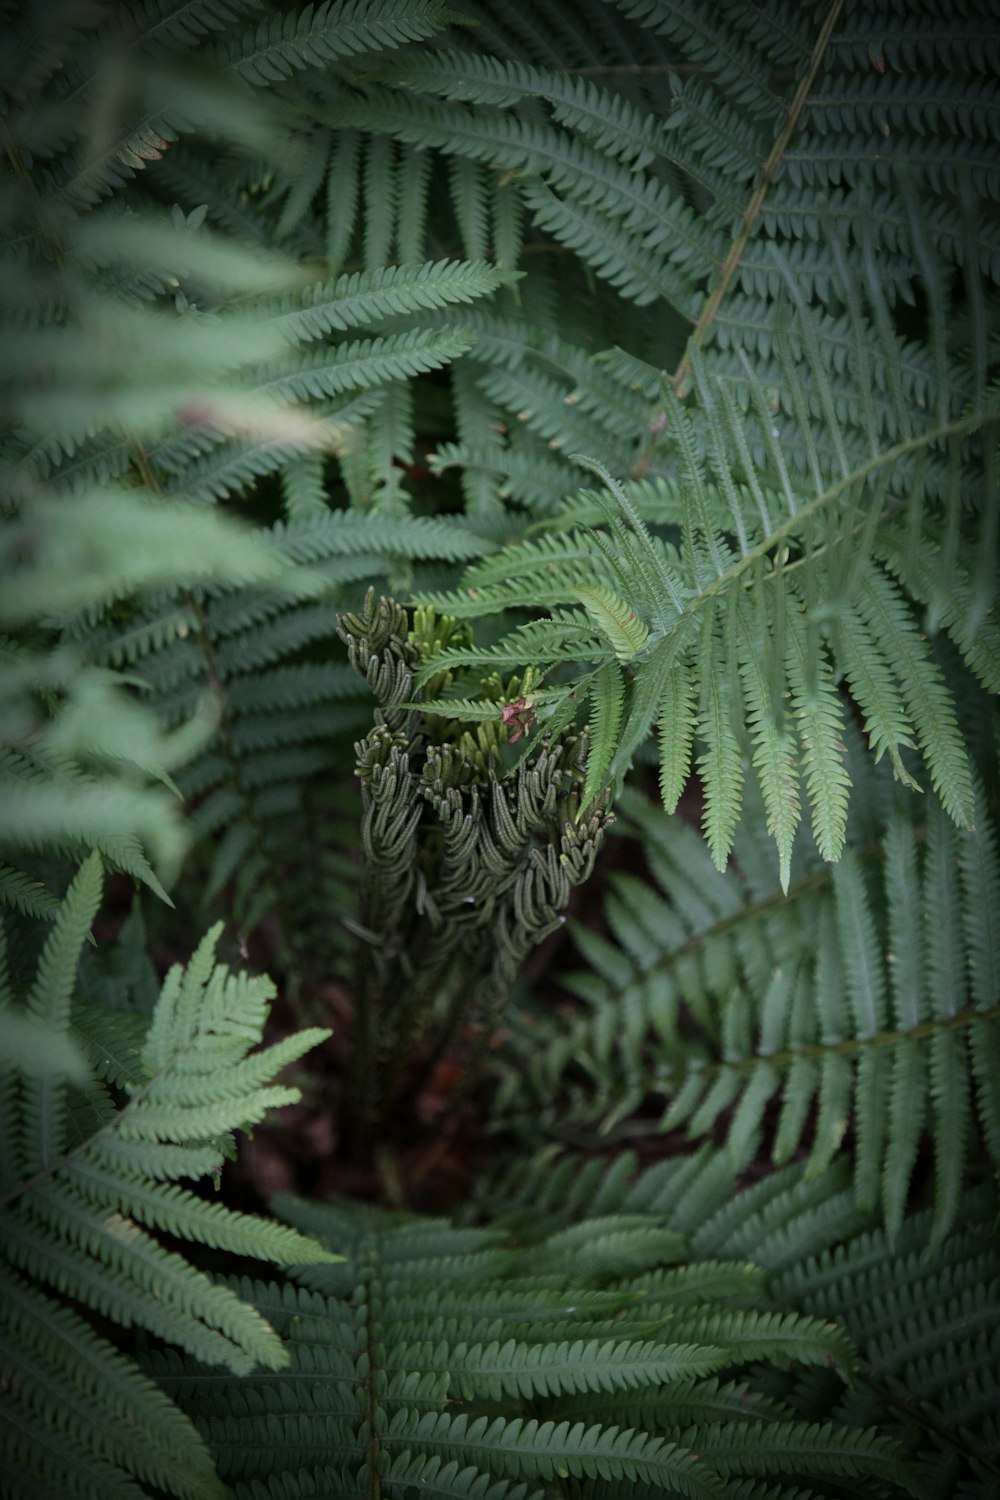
{"x": 450, "y": 1480}
{"x": 859, "y": 948}
{"x": 607, "y": 695}
{"x": 720, "y": 766}
{"x": 184, "y": 1216}
{"x": 620, "y": 259}
{"x": 313, "y": 37}
{"x": 19, "y": 890}
{"x": 108, "y": 1264}
{"x": 72, "y": 1223}
{"x": 28, "y": 1050}
{"x": 886, "y": 720}
{"x": 907, "y": 1109}
{"x": 819, "y": 718}
{"x": 302, "y": 487}
{"x": 625, "y": 632}
{"x": 610, "y": 121}
{"x": 131, "y": 541}
{"x": 676, "y": 725}
{"x": 495, "y": 1371}
{"x": 927, "y": 697}
{"x": 828, "y": 1006}
{"x": 549, "y": 1449}
{"x": 803, "y": 1448}
{"x": 107, "y": 1408}
{"x": 44, "y": 1123}
{"x": 363, "y": 364}
{"x": 389, "y": 291}
{"x": 773, "y": 756}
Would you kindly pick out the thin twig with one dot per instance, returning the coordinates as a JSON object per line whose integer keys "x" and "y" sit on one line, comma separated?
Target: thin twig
{"x": 680, "y": 376}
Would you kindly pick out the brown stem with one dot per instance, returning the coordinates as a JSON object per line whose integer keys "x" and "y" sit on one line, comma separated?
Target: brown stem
{"x": 680, "y": 376}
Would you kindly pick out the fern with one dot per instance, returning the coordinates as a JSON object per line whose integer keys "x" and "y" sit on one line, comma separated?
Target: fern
{"x": 88, "y": 1184}
{"x": 312, "y": 37}
{"x": 926, "y": 1325}
{"x": 853, "y": 1001}
{"x": 921, "y": 1314}
{"x": 463, "y": 1329}
{"x": 392, "y": 291}
{"x": 775, "y": 646}
{"x": 316, "y": 303}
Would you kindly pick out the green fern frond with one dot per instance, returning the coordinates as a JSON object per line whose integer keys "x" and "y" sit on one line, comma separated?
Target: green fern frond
{"x": 607, "y": 695}
{"x": 132, "y": 541}
{"x": 362, "y": 364}
{"x": 720, "y": 763}
{"x": 347, "y": 533}
{"x": 925, "y": 696}
{"x": 793, "y": 1004}
{"x": 109, "y": 1410}
{"x": 599, "y": 241}
{"x": 747, "y": 258}
{"x": 444, "y": 1400}
{"x": 675, "y": 727}
{"x": 582, "y": 171}
{"x": 72, "y": 1207}
{"x": 52, "y": 805}
{"x": 313, "y": 37}
{"x": 494, "y": 1371}
{"x": 387, "y": 292}
{"x": 773, "y": 752}
{"x": 922, "y": 1313}
{"x": 608, "y": 120}
{"x": 625, "y": 632}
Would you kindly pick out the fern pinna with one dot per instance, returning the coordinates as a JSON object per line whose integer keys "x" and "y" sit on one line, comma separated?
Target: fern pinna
{"x": 921, "y": 1310}
{"x": 105, "y": 1114}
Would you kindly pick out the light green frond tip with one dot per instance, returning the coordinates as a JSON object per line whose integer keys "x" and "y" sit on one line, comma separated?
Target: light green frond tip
{"x": 617, "y": 620}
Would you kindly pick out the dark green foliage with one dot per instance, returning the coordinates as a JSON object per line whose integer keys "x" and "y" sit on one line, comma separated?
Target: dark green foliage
{"x": 85, "y": 1187}
{"x": 867, "y": 998}
{"x": 604, "y": 1357}
{"x": 659, "y": 341}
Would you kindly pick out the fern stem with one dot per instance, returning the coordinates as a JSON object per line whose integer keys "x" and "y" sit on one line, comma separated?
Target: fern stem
{"x": 680, "y": 377}
{"x": 735, "y": 255}
{"x": 916, "y": 1413}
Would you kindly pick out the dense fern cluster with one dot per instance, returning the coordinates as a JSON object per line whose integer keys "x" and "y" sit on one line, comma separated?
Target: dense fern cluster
{"x": 657, "y": 339}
